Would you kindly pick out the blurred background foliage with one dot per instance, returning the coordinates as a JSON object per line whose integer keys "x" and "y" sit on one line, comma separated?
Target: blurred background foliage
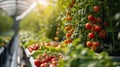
{"x": 6, "y": 22}
{"x": 43, "y": 20}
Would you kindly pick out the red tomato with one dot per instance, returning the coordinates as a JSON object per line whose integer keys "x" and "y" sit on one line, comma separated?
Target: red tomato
{"x": 99, "y": 19}
{"x": 43, "y": 65}
{"x": 36, "y": 46}
{"x": 90, "y": 17}
{"x": 52, "y": 65}
{"x": 91, "y": 35}
{"x": 98, "y": 28}
{"x": 37, "y": 62}
{"x": 67, "y": 28}
{"x": 88, "y": 43}
{"x": 68, "y": 18}
{"x": 54, "y": 62}
{"x": 54, "y": 59}
{"x": 96, "y": 44}
{"x": 68, "y": 35}
{"x": 69, "y": 40}
{"x": 102, "y": 34}
{"x": 66, "y": 41}
{"x": 88, "y": 26}
{"x": 96, "y": 9}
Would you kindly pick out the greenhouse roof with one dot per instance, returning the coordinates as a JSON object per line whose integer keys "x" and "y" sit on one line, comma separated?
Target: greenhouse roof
{"x": 15, "y": 7}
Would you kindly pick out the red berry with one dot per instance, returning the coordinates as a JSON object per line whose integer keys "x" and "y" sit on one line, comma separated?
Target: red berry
{"x": 88, "y": 25}
{"x": 98, "y": 28}
{"x": 96, "y": 9}
{"x": 68, "y": 35}
{"x": 37, "y": 62}
{"x": 43, "y": 65}
{"x": 90, "y": 17}
{"x": 102, "y": 34}
{"x": 91, "y": 35}
{"x": 88, "y": 43}
{"x": 96, "y": 44}
{"x": 68, "y": 18}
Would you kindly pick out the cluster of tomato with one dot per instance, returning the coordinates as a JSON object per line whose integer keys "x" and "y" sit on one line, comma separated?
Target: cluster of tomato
{"x": 69, "y": 27}
{"x": 33, "y": 47}
{"x": 95, "y": 25}
{"x": 47, "y": 61}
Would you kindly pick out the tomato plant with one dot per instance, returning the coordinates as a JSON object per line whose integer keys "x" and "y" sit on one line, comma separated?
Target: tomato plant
{"x": 94, "y": 16}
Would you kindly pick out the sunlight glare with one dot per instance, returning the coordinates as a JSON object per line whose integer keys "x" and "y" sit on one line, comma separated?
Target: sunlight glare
{"x": 44, "y": 2}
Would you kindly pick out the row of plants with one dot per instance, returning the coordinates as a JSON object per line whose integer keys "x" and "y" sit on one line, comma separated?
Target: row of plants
{"x": 85, "y": 34}
{"x": 58, "y": 54}
{"x": 44, "y": 53}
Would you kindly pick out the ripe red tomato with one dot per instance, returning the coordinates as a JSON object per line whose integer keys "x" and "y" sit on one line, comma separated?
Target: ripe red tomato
{"x": 68, "y": 35}
{"x": 37, "y": 62}
{"x": 88, "y": 25}
{"x": 68, "y": 18}
{"x": 66, "y": 41}
{"x": 102, "y": 34}
{"x": 43, "y": 65}
{"x": 88, "y": 43}
{"x": 69, "y": 40}
{"x": 96, "y": 9}
{"x": 54, "y": 62}
{"x": 52, "y": 65}
{"x": 91, "y": 35}
{"x": 67, "y": 28}
{"x": 90, "y": 17}
{"x": 96, "y": 44}
{"x": 53, "y": 59}
{"x": 99, "y": 19}
{"x": 98, "y": 28}
{"x": 36, "y": 46}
